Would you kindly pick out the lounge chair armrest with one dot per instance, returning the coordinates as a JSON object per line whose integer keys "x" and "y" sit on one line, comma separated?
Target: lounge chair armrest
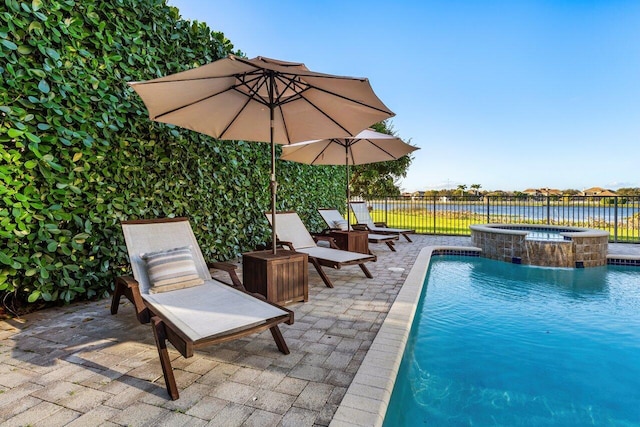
{"x": 326, "y": 231}
{"x": 230, "y": 269}
{"x": 331, "y": 240}
{"x": 288, "y": 245}
{"x": 381, "y": 224}
{"x": 130, "y": 288}
{"x": 360, "y": 227}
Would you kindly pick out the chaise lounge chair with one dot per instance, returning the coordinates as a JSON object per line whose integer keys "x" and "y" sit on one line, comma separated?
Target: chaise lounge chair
{"x": 361, "y": 212}
{"x": 173, "y": 289}
{"x": 335, "y": 221}
{"x": 292, "y": 233}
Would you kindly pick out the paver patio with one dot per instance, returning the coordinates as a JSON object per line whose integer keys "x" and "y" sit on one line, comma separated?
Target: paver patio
{"x": 80, "y": 366}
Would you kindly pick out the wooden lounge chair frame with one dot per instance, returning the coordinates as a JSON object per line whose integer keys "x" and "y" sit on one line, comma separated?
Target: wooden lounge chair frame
{"x": 387, "y": 239}
{"x": 165, "y": 330}
{"x": 365, "y": 222}
{"x": 300, "y": 240}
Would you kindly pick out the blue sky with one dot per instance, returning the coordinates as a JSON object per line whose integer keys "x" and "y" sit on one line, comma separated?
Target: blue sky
{"x": 505, "y": 94}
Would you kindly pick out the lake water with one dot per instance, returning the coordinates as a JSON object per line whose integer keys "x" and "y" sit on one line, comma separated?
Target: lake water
{"x": 556, "y": 213}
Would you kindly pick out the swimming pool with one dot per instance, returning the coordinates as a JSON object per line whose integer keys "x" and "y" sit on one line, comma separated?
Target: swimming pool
{"x": 495, "y": 343}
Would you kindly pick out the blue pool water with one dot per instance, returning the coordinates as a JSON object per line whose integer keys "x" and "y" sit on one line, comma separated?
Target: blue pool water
{"x": 495, "y": 343}
{"x": 545, "y": 235}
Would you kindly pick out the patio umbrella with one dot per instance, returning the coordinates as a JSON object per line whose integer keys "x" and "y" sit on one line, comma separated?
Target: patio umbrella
{"x": 368, "y": 146}
{"x": 262, "y": 99}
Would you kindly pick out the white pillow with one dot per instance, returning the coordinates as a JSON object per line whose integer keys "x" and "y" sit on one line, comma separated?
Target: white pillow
{"x": 340, "y": 224}
{"x": 171, "y": 269}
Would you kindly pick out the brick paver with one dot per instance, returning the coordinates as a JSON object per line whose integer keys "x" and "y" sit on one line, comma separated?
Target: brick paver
{"x": 78, "y": 365}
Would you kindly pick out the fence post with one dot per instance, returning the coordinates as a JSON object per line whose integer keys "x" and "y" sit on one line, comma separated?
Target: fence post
{"x": 488, "y": 207}
{"x": 548, "y": 209}
{"x": 386, "y": 217}
{"x": 615, "y": 220}
{"x": 434, "y": 214}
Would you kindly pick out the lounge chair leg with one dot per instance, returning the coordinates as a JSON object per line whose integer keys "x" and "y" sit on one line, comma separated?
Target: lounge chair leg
{"x": 407, "y": 237}
{"x": 365, "y": 270}
{"x": 321, "y": 272}
{"x": 161, "y": 343}
{"x": 115, "y": 299}
{"x": 279, "y": 339}
{"x": 391, "y": 246}
{"x": 127, "y": 286}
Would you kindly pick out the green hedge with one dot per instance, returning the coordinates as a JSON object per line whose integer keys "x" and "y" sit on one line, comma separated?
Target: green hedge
{"x": 79, "y": 153}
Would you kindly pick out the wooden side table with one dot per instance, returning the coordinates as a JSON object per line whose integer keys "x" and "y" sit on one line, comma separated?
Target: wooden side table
{"x": 352, "y": 241}
{"x": 282, "y": 278}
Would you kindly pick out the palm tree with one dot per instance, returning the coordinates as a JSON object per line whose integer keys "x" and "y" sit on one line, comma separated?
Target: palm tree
{"x": 476, "y": 188}
{"x": 462, "y": 187}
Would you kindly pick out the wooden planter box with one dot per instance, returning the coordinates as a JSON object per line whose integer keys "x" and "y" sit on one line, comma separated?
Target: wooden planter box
{"x": 352, "y": 241}
{"x": 282, "y": 278}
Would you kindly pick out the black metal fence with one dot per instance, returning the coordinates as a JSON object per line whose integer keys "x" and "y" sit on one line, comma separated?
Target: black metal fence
{"x": 619, "y": 215}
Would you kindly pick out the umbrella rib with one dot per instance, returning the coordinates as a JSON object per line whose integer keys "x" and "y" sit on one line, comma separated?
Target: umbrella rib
{"x": 190, "y": 104}
{"x": 383, "y": 150}
{"x": 284, "y": 123}
{"x": 322, "y": 151}
{"x": 339, "y": 96}
{"x": 355, "y": 101}
{"x": 320, "y": 111}
{"x": 190, "y": 79}
{"x": 234, "y": 87}
{"x": 234, "y": 118}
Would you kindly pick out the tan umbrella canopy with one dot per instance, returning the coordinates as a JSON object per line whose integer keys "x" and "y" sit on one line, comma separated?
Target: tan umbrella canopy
{"x": 262, "y": 99}
{"x": 367, "y": 146}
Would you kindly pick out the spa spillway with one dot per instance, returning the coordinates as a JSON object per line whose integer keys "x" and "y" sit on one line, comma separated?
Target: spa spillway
{"x": 548, "y": 246}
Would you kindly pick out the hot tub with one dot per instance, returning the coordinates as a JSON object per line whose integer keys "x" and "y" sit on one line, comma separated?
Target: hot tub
{"x": 548, "y": 246}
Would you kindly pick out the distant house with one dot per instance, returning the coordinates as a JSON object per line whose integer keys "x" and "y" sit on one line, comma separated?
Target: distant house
{"x": 551, "y": 191}
{"x": 417, "y": 195}
{"x": 531, "y": 192}
{"x": 542, "y": 192}
{"x": 598, "y": 191}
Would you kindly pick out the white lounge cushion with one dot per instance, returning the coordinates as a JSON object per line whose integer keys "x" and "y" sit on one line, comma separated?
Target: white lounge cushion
{"x": 333, "y": 254}
{"x": 390, "y": 230}
{"x": 211, "y": 309}
{"x": 382, "y": 237}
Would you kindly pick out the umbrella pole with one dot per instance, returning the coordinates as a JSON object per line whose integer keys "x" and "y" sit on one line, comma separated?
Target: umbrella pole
{"x": 346, "y": 162}
{"x": 274, "y": 184}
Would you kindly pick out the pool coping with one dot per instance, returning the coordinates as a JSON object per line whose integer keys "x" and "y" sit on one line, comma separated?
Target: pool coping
{"x": 367, "y": 398}
{"x": 523, "y": 229}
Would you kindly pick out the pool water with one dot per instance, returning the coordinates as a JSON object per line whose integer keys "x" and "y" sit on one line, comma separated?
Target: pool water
{"x": 545, "y": 235}
{"x": 495, "y": 343}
